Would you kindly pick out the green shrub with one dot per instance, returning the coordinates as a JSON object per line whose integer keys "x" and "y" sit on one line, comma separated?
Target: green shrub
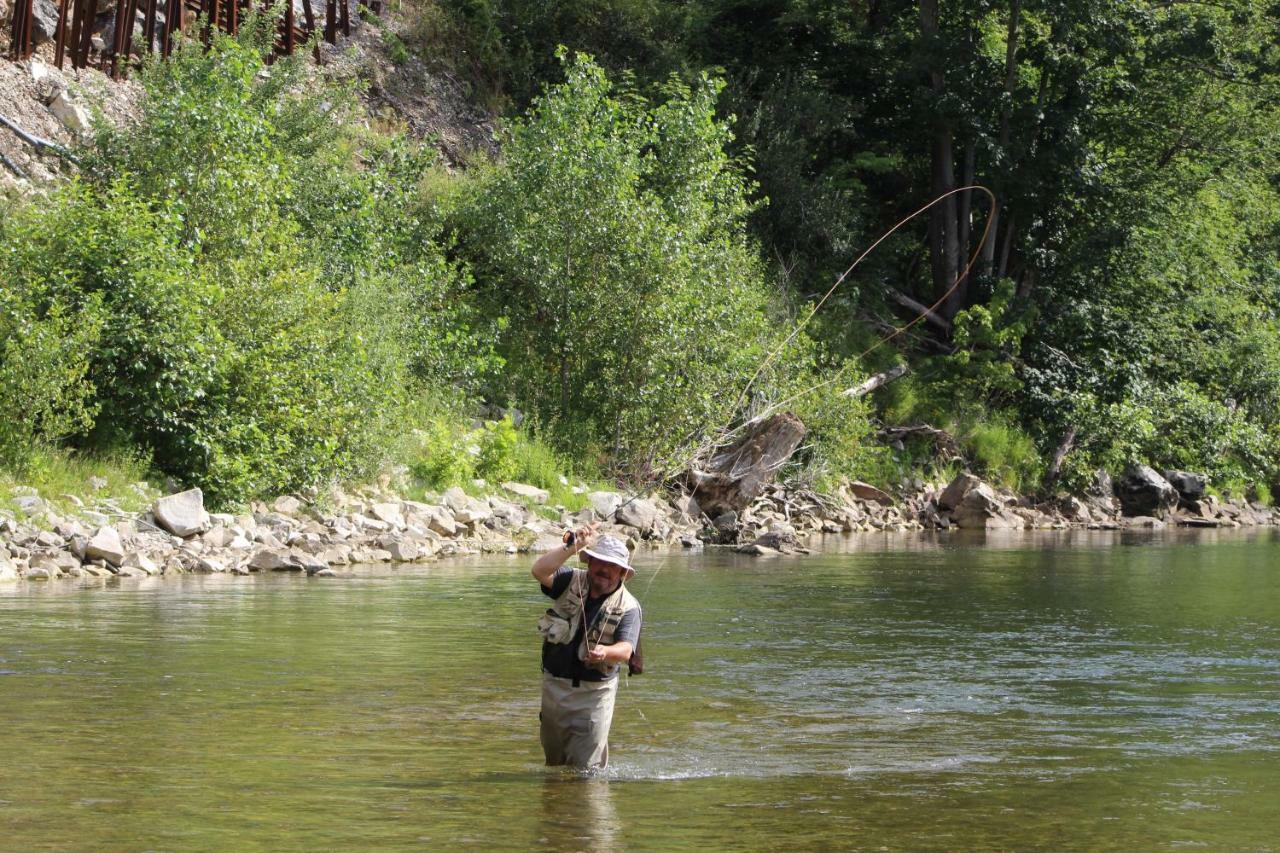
{"x": 443, "y": 456}
{"x": 44, "y": 363}
{"x": 264, "y": 303}
{"x": 396, "y": 48}
{"x": 593, "y": 244}
{"x": 1004, "y": 454}
{"x": 498, "y": 441}
{"x": 159, "y": 349}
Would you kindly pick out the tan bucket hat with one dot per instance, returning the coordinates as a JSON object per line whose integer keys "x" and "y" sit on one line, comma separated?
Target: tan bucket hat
{"x": 611, "y": 549}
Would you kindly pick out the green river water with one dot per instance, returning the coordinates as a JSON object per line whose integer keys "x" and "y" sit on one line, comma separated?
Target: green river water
{"x": 1072, "y": 691}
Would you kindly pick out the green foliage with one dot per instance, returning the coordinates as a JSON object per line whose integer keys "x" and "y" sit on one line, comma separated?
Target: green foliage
{"x": 119, "y": 476}
{"x": 44, "y": 347}
{"x": 447, "y": 454}
{"x": 266, "y": 307}
{"x": 1004, "y": 454}
{"x": 109, "y": 249}
{"x": 593, "y": 242}
{"x": 497, "y": 460}
{"x": 443, "y": 457}
{"x": 396, "y": 48}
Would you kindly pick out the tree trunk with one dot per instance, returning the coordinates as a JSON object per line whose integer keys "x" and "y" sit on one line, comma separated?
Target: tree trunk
{"x": 1006, "y": 129}
{"x": 736, "y": 474}
{"x": 959, "y": 297}
{"x": 944, "y": 248}
{"x": 1055, "y": 469}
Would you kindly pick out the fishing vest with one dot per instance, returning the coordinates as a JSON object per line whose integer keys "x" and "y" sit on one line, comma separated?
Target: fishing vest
{"x": 561, "y": 621}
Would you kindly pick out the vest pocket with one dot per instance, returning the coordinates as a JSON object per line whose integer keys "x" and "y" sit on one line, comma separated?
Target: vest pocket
{"x": 555, "y": 628}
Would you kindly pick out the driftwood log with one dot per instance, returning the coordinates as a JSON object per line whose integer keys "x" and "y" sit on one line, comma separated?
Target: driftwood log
{"x": 877, "y": 381}
{"x": 944, "y": 443}
{"x": 736, "y": 474}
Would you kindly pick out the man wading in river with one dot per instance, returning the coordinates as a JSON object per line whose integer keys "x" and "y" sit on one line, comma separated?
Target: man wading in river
{"x": 588, "y": 634}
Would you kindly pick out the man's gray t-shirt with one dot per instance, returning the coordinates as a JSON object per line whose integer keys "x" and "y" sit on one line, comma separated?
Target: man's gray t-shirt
{"x": 561, "y": 659}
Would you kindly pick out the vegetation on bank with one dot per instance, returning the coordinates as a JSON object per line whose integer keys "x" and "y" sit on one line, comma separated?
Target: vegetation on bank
{"x": 252, "y": 291}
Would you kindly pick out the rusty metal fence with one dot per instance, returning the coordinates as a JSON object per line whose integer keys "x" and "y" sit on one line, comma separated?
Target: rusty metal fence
{"x": 79, "y": 36}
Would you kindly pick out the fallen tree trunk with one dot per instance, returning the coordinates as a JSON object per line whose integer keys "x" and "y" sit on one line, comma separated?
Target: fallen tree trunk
{"x": 921, "y": 309}
{"x": 877, "y": 381}
{"x": 736, "y": 474}
{"x": 944, "y": 442}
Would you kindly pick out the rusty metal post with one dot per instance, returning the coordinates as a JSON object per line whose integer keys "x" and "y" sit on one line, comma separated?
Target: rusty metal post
{"x": 89, "y": 14}
{"x": 172, "y": 23}
{"x": 123, "y": 24}
{"x": 81, "y": 32}
{"x": 149, "y": 25}
{"x": 122, "y": 47}
{"x": 20, "y": 35}
{"x": 331, "y": 21}
{"x": 346, "y": 17}
{"x": 60, "y": 38}
{"x": 288, "y": 28}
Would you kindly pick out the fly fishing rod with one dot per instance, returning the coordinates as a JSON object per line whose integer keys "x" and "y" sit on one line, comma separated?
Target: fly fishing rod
{"x": 723, "y": 433}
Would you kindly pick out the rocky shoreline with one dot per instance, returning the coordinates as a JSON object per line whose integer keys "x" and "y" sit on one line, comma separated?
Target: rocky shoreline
{"x": 373, "y": 525}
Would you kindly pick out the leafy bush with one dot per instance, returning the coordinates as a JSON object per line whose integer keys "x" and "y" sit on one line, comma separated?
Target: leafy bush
{"x": 594, "y": 243}
{"x": 263, "y": 304}
{"x": 497, "y": 460}
{"x": 1004, "y": 454}
{"x": 159, "y": 348}
{"x": 443, "y": 456}
{"x": 44, "y": 362}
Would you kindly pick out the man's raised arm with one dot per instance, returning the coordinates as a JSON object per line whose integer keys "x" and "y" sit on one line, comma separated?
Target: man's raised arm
{"x": 545, "y": 567}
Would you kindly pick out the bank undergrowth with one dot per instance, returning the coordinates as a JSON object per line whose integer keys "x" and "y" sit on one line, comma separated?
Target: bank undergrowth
{"x": 251, "y": 290}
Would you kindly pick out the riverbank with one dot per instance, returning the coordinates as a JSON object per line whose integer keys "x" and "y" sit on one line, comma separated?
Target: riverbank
{"x": 323, "y": 535}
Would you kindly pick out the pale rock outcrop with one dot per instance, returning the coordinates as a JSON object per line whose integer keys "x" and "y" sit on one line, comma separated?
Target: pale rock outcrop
{"x": 182, "y": 514}
{"x": 106, "y": 545}
{"x": 524, "y": 490}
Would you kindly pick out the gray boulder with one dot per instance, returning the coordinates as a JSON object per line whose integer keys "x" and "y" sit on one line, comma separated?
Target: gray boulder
{"x": 141, "y": 562}
{"x": 182, "y": 514}
{"x": 1190, "y": 486}
{"x": 640, "y": 513}
{"x": 44, "y": 20}
{"x": 867, "y": 492}
{"x": 270, "y": 560}
{"x": 1143, "y": 492}
{"x": 605, "y": 504}
{"x": 982, "y": 509}
{"x": 106, "y": 545}
{"x": 388, "y": 513}
{"x": 286, "y": 505}
{"x": 8, "y": 571}
{"x": 524, "y": 490}
{"x": 956, "y": 490}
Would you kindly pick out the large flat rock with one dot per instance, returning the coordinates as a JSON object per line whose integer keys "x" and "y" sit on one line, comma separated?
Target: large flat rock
{"x": 182, "y": 514}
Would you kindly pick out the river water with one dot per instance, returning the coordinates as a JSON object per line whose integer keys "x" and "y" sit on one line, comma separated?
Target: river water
{"x": 1074, "y": 691}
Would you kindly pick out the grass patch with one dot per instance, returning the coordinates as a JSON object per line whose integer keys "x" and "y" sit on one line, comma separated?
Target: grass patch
{"x": 446, "y": 452}
{"x": 63, "y": 477}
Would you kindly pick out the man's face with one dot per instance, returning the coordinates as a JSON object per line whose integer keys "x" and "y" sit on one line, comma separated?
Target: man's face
{"x": 603, "y": 576}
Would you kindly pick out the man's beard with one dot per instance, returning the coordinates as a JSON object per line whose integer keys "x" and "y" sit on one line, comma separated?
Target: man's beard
{"x": 603, "y": 585}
